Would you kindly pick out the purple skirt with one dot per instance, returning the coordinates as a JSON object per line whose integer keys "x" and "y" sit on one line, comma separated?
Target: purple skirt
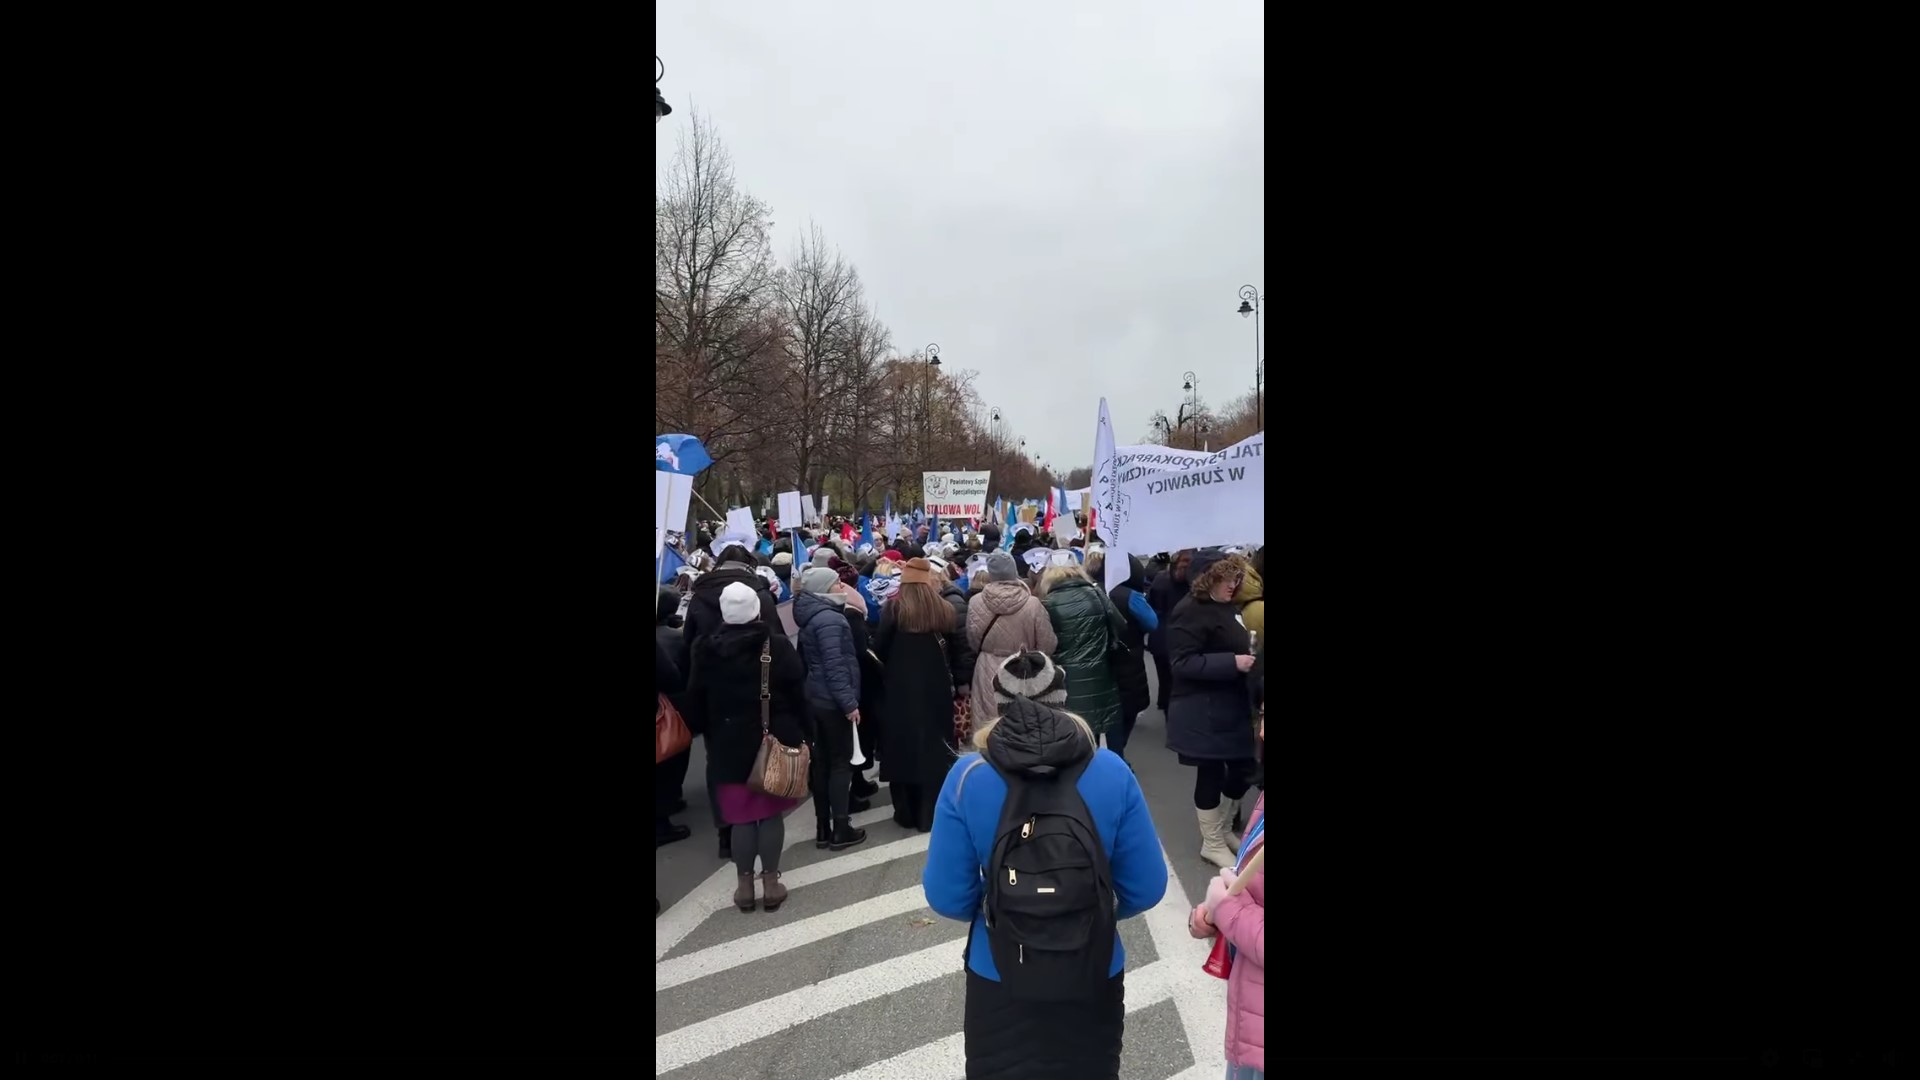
{"x": 741, "y": 805}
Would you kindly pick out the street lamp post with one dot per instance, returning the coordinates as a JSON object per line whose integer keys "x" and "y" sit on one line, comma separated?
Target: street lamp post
{"x": 1250, "y": 305}
{"x": 1192, "y": 387}
{"x": 926, "y": 420}
{"x": 660, "y": 106}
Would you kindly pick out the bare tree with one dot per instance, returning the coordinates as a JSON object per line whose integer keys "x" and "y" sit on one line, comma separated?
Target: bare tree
{"x": 820, "y": 294}
{"x": 714, "y": 317}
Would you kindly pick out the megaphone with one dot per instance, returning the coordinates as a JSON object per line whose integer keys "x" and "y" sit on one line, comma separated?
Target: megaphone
{"x": 858, "y": 757}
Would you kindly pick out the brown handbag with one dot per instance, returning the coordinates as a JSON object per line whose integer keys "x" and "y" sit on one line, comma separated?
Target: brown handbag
{"x": 778, "y": 770}
{"x": 670, "y": 734}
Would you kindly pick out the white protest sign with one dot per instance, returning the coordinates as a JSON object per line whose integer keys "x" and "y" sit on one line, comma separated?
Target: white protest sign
{"x": 740, "y": 522}
{"x": 823, "y": 508}
{"x": 1064, "y": 530}
{"x": 955, "y": 494}
{"x": 806, "y": 501}
{"x": 790, "y": 512}
{"x": 662, "y": 495}
{"x": 1220, "y": 501}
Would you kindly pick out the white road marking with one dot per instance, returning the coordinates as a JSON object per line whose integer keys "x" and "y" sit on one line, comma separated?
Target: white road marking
{"x": 668, "y": 974}
{"x": 702, "y": 1040}
{"x": 1200, "y": 998}
{"x": 946, "y": 1058}
{"x": 716, "y": 893}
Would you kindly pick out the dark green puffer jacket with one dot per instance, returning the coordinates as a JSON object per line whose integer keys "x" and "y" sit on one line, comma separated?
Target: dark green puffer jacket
{"x": 1085, "y": 621}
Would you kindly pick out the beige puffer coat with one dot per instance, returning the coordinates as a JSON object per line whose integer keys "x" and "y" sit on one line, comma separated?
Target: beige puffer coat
{"x": 1002, "y": 619}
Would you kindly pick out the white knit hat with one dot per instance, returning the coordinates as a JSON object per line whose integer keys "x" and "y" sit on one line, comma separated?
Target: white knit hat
{"x": 739, "y": 604}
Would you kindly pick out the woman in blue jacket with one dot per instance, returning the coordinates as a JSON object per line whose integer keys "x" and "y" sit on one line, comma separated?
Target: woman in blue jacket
{"x": 1009, "y": 1039}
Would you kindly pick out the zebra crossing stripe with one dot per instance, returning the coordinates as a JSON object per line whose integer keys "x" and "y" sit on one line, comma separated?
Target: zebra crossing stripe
{"x": 668, "y": 974}
{"x": 946, "y": 1058}
{"x": 702, "y": 1040}
{"x": 715, "y": 893}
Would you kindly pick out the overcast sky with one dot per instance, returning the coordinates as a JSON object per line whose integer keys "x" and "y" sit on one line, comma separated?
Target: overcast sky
{"x": 1065, "y": 195}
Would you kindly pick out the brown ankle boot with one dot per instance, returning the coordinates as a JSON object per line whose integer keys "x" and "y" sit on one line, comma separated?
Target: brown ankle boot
{"x": 773, "y": 894}
{"x": 743, "y": 893}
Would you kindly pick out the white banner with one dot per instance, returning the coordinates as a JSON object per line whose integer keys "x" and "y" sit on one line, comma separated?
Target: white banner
{"x": 1147, "y": 457}
{"x": 955, "y": 494}
{"x": 823, "y": 509}
{"x": 1219, "y": 501}
{"x": 813, "y": 515}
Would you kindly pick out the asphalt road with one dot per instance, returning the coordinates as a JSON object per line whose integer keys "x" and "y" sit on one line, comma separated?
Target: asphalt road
{"x": 854, "y": 978}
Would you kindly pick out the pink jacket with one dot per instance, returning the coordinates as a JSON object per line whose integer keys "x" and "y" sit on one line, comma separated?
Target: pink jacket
{"x": 1242, "y": 919}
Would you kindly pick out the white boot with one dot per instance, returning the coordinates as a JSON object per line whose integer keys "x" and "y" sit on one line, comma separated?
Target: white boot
{"x": 1213, "y": 836}
{"x": 1230, "y": 807}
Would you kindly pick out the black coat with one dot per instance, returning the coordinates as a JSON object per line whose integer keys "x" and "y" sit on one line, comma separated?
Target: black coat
{"x": 1131, "y": 673}
{"x": 826, "y": 648}
{"x": 962, "y": 657}
{"x": 723, "y": 696}
{"x": 1163, "y": 596}
{"x": 1207, "y": 718}
{"x": 918, "y": 713}
{"x": 703, "y": 611}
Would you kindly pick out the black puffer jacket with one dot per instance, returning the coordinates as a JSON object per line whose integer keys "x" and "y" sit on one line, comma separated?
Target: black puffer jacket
{"x": 1163, "y": 596}
{"x": 1131, "y": 675}
{"x": 827, "y": 650}
{"x": 723, "y": 696}
{"x": 671, "y": 644}
{"x": 1207, "y": 717}
{"x": 703, "y": 612}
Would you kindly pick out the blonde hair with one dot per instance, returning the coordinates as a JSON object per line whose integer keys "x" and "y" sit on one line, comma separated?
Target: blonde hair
{"x": 984, "y": 731}
{"x": 1054, "y": 575}
{"x": 1096, "y": 563}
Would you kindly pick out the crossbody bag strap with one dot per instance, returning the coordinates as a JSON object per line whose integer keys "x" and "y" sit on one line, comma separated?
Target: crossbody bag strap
{"x": 766, "y": 675}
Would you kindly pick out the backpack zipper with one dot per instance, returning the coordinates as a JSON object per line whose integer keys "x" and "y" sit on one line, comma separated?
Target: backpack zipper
{"x": 1012, "y": 877}
{"x": 1023, "y": 954}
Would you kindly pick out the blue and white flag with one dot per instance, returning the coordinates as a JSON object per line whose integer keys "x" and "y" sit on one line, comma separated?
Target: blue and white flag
{"x": 681, "y": 454}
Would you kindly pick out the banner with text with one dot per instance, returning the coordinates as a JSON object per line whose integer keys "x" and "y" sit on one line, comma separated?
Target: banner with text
{"x": 1221, "y": 500}
{"x": 955, "y": 494}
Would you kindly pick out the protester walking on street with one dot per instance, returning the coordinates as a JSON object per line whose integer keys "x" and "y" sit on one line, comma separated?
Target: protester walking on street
{"x": 1068, "y": 849}
{"x": 1004, "y": 619}
{"x": 1167, "y": 590}
{"x": 1242, "y": 920}
{"x": 833, "y": 702}
{"x": 1088, "y": 629}
{"x": 924, "y": 650}
{"x": 1208, "y": 724}
{"x": 669, "y": 776}
{"x": 733, "y": 668}
{"x": 1129, "y": 672}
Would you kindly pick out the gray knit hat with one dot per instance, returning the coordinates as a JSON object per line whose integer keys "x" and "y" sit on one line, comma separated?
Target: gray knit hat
{"x": 1032, "y": 676}
{"x": 1001, "y": 567}
{"x": 820, "y": 555}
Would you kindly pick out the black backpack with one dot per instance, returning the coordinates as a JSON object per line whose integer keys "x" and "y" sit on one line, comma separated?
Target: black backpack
{"x": 1050, "y": 900}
